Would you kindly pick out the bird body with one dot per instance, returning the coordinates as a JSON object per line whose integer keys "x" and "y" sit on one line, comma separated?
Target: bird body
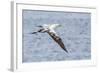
{"x": 49, "y": 28}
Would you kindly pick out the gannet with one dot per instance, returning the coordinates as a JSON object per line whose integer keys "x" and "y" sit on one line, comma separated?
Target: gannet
{"x": 49, "y": 28}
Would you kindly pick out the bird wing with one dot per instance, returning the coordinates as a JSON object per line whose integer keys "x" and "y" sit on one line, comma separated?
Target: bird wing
{"x": 37, "y": 31}
{"x": 58, "y": 40}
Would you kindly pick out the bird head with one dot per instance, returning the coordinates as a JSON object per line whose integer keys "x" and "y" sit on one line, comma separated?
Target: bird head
{"x": 57, "y": 25}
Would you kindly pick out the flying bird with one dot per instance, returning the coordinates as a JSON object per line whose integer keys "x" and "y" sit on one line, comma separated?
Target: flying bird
{"x": 49, "y": 28}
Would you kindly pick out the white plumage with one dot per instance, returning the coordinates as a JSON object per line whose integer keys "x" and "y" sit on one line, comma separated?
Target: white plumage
{"x": 49, "y": 28}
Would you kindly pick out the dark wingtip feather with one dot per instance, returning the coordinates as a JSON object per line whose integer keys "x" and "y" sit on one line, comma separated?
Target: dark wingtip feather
{"x": 65, "y": 50}
{"x": 33, "y": 33}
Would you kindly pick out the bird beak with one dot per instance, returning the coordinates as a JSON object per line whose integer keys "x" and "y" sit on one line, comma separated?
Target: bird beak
{"x": 59, "y": 25}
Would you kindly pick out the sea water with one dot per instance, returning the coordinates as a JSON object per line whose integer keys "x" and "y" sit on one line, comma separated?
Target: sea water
{"x": 75, "y": 32}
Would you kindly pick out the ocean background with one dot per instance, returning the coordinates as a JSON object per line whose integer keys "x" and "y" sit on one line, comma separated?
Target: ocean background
{"x": 75, "y": 32}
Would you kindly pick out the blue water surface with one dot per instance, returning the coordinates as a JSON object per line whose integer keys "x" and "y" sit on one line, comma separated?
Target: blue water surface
{"x": 75, "y": 32}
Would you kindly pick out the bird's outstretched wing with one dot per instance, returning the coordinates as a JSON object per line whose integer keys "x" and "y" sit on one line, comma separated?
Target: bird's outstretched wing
{"x": 37, "y": 31}
{"x": 58, "y": 40}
